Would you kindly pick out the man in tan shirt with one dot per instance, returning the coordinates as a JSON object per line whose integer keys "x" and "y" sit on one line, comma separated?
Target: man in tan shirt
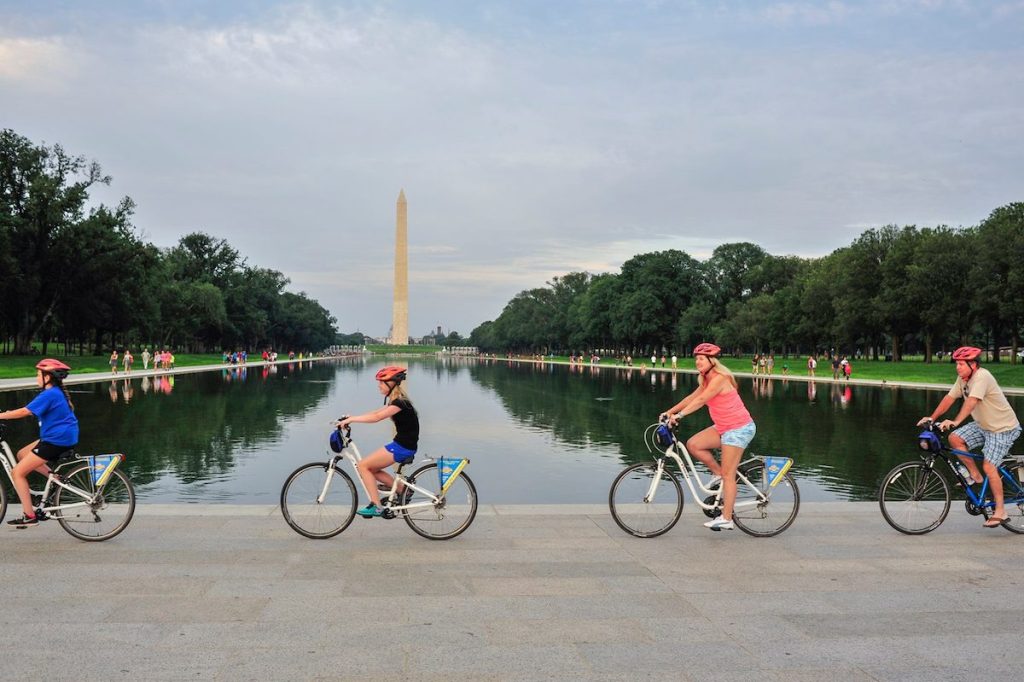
{"x": 995, "y": 426}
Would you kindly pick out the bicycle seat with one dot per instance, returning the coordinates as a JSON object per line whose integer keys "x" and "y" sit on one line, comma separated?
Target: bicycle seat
{"x": 403, "y": 464}
{"x": 67, "y": 457}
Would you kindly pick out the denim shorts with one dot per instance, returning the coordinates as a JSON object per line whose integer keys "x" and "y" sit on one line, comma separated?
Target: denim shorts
{"x": 400, "y": 453}
{"x": 740, "y": 437}
{"x": 996, "y": 446}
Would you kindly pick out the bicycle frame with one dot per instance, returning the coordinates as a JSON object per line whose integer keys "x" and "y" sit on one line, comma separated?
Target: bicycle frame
{"x": 689, "y": 470}
{"x": 351, "y": 453}
{"x": 9, "y": 461}
{"x": 1011, "y": 495}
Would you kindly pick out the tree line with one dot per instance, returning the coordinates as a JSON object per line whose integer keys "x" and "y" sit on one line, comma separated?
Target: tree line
{"x": 84, "y": 279}
{"x": 893, "y": 291}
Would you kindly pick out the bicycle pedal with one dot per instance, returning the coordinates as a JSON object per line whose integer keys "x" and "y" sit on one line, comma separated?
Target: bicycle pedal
{"x": 41, "y": 515}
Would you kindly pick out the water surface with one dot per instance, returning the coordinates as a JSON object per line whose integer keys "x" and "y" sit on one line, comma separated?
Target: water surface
{"x": 535, "y": 433}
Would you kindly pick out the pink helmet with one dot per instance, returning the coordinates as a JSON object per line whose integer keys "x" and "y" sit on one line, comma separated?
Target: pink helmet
{"x": 966, "y": 353}
{"x": 392, "y": 373}
{"x": 709, "y": 349}
{"x": 53, "y": 367}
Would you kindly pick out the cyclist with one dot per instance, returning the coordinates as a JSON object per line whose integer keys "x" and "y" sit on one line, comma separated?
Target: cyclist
{"x": 58, "y": 432}
{"x": 732, "y": 431}
{"x": 995, "y": 426}
{"x": 402, "y": 449}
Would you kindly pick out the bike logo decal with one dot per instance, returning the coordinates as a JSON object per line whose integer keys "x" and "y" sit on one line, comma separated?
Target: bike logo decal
{"x": 776, "y": 468}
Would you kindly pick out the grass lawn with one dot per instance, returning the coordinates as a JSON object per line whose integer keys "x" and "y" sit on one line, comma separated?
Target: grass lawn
{"x": 906, "y": 371}
{"x": 21, "y": 366}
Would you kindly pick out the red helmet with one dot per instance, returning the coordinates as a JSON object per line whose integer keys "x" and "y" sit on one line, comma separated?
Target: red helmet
{"x": 54, "y": 367}
{"x": 392, "y": 373}
{"x": 709, "y": 349}
{"x": 966, "y": 353}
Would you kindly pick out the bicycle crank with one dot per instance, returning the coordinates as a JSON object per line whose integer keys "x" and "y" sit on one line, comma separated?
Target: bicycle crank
{"x": 715, "y": 511}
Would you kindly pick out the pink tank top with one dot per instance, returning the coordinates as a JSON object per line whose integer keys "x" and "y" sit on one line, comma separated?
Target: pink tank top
{"x": 728, "y": 412}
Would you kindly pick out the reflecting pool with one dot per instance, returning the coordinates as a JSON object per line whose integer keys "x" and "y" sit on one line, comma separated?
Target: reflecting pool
{"x": 535, "y": 433}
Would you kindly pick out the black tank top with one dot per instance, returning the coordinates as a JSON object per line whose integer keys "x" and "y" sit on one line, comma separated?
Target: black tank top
{"x": 407, "y": 424}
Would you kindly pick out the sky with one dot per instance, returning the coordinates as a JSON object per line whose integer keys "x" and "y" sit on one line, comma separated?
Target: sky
{"x": 531, "y": 138}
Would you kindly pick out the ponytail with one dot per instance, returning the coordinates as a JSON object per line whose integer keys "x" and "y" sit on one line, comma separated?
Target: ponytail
{"x": 58, "y": 383}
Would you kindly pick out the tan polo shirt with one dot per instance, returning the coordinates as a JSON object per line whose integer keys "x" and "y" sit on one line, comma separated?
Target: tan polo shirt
{"x": 993, "y": 411}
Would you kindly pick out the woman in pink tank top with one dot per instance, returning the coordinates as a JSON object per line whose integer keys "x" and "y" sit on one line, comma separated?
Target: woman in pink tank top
{"x": 732, "y": 431}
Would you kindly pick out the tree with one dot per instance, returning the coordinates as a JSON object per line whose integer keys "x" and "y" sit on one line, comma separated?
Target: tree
{"x": 43, "y": 194}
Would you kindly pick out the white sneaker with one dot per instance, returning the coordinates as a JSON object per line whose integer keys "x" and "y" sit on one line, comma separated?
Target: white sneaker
{"x": 715, "y": 482}
{"x": 719, "y": 523}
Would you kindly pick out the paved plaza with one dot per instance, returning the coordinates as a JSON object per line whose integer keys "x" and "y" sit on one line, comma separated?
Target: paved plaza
{"x": 224, "y": 592}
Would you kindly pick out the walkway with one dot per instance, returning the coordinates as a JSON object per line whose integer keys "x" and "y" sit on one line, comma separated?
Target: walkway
{"x": 231, "y": 593}
{"x": 86, "y": 377}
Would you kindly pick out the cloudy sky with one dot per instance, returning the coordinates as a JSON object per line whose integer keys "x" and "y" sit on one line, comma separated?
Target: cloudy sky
{"x": 531, "y": 138}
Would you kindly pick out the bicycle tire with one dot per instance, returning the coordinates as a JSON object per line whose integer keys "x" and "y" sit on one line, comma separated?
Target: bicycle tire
{"x": 116, "y": 499}
{"x": 626, "y": 500}
{"x": 3, "y": 500}
{"x": 770, "y": 517}
{"x": 914, "y": 498}
{"x": 312, "y": 519}
{"x": 1013, "y": 489}
{"x": 444, "y": 520}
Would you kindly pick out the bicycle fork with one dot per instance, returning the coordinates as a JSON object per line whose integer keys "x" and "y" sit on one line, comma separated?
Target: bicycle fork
{"x": 649, "y": 497}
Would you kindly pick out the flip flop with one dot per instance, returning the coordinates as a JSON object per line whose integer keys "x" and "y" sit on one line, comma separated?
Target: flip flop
{"x": 995, "y": 521}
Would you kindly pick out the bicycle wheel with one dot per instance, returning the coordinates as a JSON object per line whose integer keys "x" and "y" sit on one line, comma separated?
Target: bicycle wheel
{"x": 109, "y": 512}
{"x": 3, "y": 500}
{"x": 771, "y": 513}
{"x": 445, "y": 519}
{"x": 324, "y": 519}
{"x": 639, "y": 515}
{"x": 914, "y": 498}
{"x": 1013, "y": 494}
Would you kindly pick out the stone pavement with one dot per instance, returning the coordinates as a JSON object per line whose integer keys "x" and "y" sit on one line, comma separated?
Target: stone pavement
{"x": 223, "y": 592}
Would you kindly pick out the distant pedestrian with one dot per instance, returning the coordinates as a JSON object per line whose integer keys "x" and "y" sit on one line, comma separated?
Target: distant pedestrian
{"x": 113, "y": 362}
{"x": 128, "y": 360}
{"x": 654, "y": 361}
{"x": 753, "y": 364}
{"x": 674, "y": 359}
{"x": 812, "y": 365}
{"x": 835, "y": 366}
{"x": 145, "y": 358}
{"x": 771, "y": 364}
{"x": 848, "y": 369}
{"x": 662, "y": 359}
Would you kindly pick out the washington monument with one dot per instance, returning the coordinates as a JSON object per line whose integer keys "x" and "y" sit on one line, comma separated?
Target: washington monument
{"x": 400, "y": 310}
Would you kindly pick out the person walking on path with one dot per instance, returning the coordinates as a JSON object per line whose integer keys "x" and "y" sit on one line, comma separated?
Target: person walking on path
{"x": 402, "y": 449}
{"x": 835, "y": 367}
{"x": 145, "y": 358}
{"x": 994, "y": 429}
{"x": 58, "y": 433}
{"x": 675, "y": 359}
{"x": 128, "y": 360}
{"x": 812, "y": 365}
{"x": 732, "y": 430}
{"x": 113, "y": 361}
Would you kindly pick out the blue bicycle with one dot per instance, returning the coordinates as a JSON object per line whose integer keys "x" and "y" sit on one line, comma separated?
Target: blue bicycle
{"x": 915, "y": 496}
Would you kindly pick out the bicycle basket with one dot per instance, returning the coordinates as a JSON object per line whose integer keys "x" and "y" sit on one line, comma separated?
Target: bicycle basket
{"x": 663, "y": 436}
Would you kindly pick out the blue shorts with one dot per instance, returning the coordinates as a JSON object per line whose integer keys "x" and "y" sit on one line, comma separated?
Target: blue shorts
{"x": 740, "y": 437}
{"x": 401, "y": 455}
{"x": 995, "y": 446}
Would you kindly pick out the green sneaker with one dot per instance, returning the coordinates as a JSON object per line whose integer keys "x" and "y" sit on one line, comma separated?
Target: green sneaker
{"x": 369, "y": 511}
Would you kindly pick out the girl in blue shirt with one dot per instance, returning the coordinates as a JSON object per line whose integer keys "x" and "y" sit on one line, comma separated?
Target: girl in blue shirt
{"x": 58, "y": 432}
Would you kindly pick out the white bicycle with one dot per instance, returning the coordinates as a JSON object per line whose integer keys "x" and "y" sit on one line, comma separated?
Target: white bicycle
{"x": 88, "y": 495}
{"x": 437, "y": 500}
{"x": 646, "y": 499}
